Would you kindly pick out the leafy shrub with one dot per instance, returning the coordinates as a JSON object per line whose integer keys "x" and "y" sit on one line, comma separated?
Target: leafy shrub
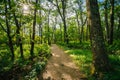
{"x": 36, "y": 70}
{"x": 44, "y": 51}
{"x": 114, "y": 48}
{"x": 76, "y": 45}
{"x": 31, "y": 68}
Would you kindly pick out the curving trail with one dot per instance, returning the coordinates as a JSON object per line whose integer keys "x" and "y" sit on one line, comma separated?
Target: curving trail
{"x": 61, "y": 67}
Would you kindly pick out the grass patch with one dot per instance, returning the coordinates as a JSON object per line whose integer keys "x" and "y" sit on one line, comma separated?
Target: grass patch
{"x": 83, "y": 59}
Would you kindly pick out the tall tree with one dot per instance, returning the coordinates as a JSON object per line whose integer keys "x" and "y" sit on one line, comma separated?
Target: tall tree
{"x": 100, "y": 58}
{"x": 10, "y": 42}
{"x": 81, "y": 22}
{"x": 48, "y": 29}
{"x": 106, "y": 20}
{"x": 40, "y": 23}
{"x": 18, "y": 25}
{"x": 33, "y": 31}
{"x": 79, "y": 2}
{"x": 111, "y": 21}
{"x": 61, "y": 8}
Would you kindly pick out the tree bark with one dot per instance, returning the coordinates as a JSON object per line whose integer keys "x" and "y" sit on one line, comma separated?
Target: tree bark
{"x": 119, "y": 22}
{"x": 81, "y": 19}
{"x": 81, "y": 31}
{"x": 64, "y": 21}
{"x": 87, "y": 31}
{"x": 18, "y": 38}
{"x": 111, "y": 22}
{"x": 63, "y": 16}
{"x": 33, "y": 33}
{"x": 106, "y": 21}
{"x": 40, "y": 24}
{"x": 10, "y": 43}
{"x": 48, "y": 28}
{"x": 100, "y": 58}
{"x": 78, "y": 23}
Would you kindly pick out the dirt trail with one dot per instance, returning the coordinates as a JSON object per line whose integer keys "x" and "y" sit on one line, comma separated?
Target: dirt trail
{"x": 61, "y": 67}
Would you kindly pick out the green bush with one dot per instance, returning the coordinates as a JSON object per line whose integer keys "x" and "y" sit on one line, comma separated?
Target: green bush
{"x": 114, "y": 48}
{"x": 41, "y": 53}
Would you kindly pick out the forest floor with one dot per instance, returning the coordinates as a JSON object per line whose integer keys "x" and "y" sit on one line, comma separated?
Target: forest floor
{"x": 61, "y": 67}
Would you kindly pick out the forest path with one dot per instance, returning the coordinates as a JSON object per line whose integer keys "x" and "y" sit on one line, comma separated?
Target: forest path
{"x": 61, "y": 67}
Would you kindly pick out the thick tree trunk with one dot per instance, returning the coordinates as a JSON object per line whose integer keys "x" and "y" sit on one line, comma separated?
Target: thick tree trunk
{"x": 100, "y": 58}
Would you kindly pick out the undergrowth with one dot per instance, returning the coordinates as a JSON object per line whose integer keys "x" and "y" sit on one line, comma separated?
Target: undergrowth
{"x": 23, "y": 69}
{"x": 82, "y": 55}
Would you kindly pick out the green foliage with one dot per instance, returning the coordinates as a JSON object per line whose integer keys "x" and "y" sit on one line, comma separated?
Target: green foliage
{"x": 36, "y": 70}
{"x": 83, "y": 58}
{"x": 115, "y": 73}
{"x": 4, "y": 60}
{"x": 45, "y": 48}
{"x": 76, "y": 45}
{"x": 81, "y": 54}
{"x": 42, "y": 53}
{"x": 114, "y": 48}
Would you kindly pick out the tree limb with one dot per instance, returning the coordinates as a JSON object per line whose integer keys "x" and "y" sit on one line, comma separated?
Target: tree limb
{"x": 3, "y": 27}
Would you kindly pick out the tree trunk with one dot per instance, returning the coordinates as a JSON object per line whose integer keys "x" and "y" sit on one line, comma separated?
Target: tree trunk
{"x": 119, "y": 22}
{"x": 61, "y": 36}
{"x": 40, "y": 24}
{"x": 64, "y": 21}
{"x": 54, "y": 30}
{"x": 10, "y": 43}
{"x": 63, "y": 17}
{"x": 87, "y": 31}
{"x": 40, "y": 33}
{"x": 48, "y": 35}
{"x": 78, "y": 23}
{"x": 66, "y": 40}
{"x": 106, "y": 21}
{"x": 100, "y": 58}
{"x": 33, "y": 33}
{"x": 111, "y": 22}
{"x": 18, "y": 38}
{"x": 81, "y": 37}
{"x": 81, "y": 18}
{"x": 19, "y": 41}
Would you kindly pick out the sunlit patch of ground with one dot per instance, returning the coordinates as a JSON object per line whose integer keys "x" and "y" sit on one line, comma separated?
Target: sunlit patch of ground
{"x": 61, "y": 67}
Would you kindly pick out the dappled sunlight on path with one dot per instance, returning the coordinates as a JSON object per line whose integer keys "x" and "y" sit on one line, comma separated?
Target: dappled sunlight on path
{"x": 61, "y": 67}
